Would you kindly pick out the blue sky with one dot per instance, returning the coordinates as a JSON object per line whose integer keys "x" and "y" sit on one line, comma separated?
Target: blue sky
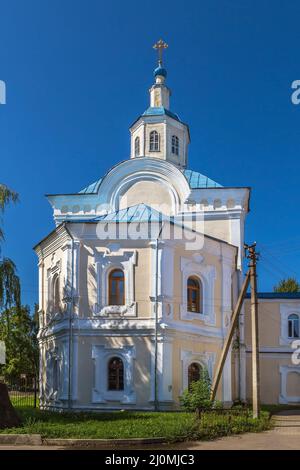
{"x": 78, "y": 73}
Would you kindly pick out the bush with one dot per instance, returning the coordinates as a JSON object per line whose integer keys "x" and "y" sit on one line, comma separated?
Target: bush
{"x": 197, "y": 396}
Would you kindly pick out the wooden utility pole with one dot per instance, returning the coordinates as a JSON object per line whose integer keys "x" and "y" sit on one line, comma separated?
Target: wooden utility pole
{"x": 253, "y": 256}
{"x": 249, "y": 279}
{"x": 227, "y": 343}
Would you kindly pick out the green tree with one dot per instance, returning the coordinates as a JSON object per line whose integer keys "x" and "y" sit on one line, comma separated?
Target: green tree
{"x": 287, "y": 285}
{"x": 6, "y": 197}
{"x": 18, "y": 328}
{"x": 9, "y": 284}
{"x": 9, "y": 281}
{"x": 9, "y": 297}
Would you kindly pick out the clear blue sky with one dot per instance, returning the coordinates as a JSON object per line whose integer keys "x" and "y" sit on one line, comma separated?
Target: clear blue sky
{"x": 78, "y": 74}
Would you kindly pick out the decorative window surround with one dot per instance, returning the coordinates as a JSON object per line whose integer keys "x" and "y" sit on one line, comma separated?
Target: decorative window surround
{"x": 207, "y": 274}
{"x": 105, "y": 262}
{"x": 101, "y": 356}
{"x": 57, "y": 365}
{"x": 284, "y": 371}
{"x": 286, "y": 310}
{"x": 205, "y": 359}
{"x": 52, "y": 273}
{"x": 71, "y": 267}
{"x": 63, "y": 370}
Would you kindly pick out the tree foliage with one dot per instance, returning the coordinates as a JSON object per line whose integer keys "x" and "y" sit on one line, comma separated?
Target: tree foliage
{"x": 197, "y": 396}
{"x": 18, "y": 328}
{"x": 6, "y": 197}
{"x": 9, "y": 284}
{"x": 9, "y": 281}
{"x": 287, "y": 285}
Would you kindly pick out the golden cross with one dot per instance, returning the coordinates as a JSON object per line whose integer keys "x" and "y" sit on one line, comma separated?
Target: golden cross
{"x": 160, "y": 46}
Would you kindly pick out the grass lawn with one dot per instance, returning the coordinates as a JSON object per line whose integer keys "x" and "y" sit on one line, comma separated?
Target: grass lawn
{"x": 129, "y": 424}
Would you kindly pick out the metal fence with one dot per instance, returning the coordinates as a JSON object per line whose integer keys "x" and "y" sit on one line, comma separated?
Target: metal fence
{"x": 23, "y": 390}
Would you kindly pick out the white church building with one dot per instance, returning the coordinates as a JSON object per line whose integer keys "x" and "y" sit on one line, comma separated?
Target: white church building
{"x": 139, "y": 278}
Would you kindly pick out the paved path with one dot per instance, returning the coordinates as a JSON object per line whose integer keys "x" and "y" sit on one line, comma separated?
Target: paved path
{"x": 284, "y": 436}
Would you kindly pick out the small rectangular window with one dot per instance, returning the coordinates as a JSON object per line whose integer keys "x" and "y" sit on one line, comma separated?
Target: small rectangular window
{"x": 154, "y": 141}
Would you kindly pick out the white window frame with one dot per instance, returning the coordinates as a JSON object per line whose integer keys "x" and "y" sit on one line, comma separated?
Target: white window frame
{"x": 175, "y": 145}
{"x": 154, "y": 144}
{"x": 57, "y": 364}
{"x": 137, "y": 146}
{"x": 287, "y": 309}
{"x": 53, "y": 274}
{"x": 297, "y": 319}
{"x": 200, "y": 293}
{"x": 105, "y": 263}
{"x": 101, "y": 356}
{"x": 205, "y": 359}
{"x": 207, "y": 275}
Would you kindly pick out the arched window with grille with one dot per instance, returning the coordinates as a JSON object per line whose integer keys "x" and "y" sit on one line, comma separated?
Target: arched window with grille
{"x": 293, "y": 326}
{"x": 194, "y": 295}
{"x": 175, "y": 145}
{"x": 116, "y": 287}
{"x": 55, "y": 293}
{"x": 154, "y": 141}
{"x": 137, "y": 147}
{"x": 115, "y": 374}
{"x": 194, "y": 373}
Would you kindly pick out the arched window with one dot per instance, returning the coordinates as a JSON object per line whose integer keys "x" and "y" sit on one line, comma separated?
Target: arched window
{"x": 194, "y": 373}
{"x": 137, "y": 147}
{"x": 115, "y": 374}
{"x": 175, "y": 145}
{"x": 55, "y": 293}
{"x": 194, "y": 295}
{"x": 293, "y": 326}
{"x": 116, "y": 287}
{"x": 154, "y": 142}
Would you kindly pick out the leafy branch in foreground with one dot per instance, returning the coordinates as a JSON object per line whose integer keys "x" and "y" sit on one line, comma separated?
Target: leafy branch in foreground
{"x": 7, "y": 196}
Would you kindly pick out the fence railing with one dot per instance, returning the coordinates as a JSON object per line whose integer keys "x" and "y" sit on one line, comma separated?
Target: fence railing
{"x": 23, "y": 391}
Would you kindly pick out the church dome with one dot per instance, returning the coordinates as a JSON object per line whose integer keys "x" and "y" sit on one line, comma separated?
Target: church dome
{"x": 160, "y": 71}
